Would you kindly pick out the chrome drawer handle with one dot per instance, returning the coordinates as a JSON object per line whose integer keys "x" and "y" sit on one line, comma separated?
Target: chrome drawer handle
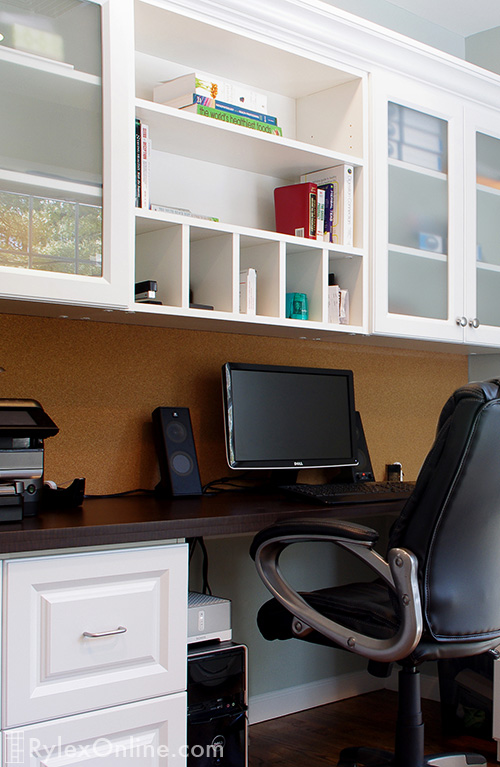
{"x": 92, "y": 634}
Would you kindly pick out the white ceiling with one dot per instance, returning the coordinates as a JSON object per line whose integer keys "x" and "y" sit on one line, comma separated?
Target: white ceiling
{"x": 464, "y": 17}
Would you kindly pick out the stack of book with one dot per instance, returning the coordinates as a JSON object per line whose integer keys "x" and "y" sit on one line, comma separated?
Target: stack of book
{"x": 180, "y": 212}
{"x": 320, "y": 207}
{"x": 142, "y": 165}
{"x": 416, "y": 138}
{"x": 218, "y": 100}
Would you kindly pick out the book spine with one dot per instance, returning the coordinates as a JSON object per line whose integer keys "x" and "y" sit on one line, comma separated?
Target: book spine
{"x": 320, "y": 214}
{"x": 145, "y": 165}
{"x": 330, "y": 205}
{"x": 181, "y": 212}
{"x": 226, "y": 107}
{"x": 137, "y": 163}
{"x": 348, "y": 203}
{"x": 235, "y": 119}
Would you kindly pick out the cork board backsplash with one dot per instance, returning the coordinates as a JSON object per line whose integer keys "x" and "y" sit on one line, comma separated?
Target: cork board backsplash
{"x": 100, "y": 383}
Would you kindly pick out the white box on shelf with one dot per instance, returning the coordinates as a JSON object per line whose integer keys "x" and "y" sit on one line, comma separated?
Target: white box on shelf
{"x": 248, "y": 291}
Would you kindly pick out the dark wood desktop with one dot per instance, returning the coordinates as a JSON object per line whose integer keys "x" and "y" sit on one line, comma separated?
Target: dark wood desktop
{"x": 132, "y": 519}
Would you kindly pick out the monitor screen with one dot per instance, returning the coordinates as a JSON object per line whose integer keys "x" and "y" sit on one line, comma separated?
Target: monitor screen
{"x": 288, "y": 417}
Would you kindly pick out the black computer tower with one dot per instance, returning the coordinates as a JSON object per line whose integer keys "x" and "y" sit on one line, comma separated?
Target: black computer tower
{"x": 217, "y": 727}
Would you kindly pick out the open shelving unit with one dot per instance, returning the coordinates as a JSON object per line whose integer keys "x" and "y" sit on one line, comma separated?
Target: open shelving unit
{"x": 230, "y": 173}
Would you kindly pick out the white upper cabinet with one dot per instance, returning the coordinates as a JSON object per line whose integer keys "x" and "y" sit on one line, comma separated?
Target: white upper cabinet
{"x": 417, "y": 127}
{"x": 61, "y": 229}
{"x": 482, "y": 203}
{"x": 418, "y": 210}
{"x": 436, "y": 203}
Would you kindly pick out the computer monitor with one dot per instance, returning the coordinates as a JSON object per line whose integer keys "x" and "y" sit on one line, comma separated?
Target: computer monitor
{"x": 279, "y": 417}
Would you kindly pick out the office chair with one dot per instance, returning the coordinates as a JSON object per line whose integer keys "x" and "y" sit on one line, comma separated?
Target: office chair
{"x": 437, "y": 591}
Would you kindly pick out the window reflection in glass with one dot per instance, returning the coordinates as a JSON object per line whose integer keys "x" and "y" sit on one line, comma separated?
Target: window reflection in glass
{"x": 50, "y": 235}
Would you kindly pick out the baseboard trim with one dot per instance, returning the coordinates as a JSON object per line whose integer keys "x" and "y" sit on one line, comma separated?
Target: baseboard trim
{"x": 272, "y": 705}
{"x": 292, "y": 699}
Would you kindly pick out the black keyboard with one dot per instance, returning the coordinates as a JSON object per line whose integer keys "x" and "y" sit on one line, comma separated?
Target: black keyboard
{"x": 351, "y": 492}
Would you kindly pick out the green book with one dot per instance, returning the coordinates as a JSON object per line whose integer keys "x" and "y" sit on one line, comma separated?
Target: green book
{"x": 234, "y": 119}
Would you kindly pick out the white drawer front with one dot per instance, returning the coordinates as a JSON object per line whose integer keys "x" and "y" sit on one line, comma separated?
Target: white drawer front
{"x": 85, "y": 631}
{"x": 149, "y": 733}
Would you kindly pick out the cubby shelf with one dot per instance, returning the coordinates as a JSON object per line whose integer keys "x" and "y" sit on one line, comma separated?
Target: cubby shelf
{"x": 193, "y": 259}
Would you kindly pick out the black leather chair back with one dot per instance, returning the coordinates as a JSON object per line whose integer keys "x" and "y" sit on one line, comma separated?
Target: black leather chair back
{"x": 453, "y": 514}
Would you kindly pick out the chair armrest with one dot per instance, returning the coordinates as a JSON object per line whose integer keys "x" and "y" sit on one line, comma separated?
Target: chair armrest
{"x": 399, "y": 572}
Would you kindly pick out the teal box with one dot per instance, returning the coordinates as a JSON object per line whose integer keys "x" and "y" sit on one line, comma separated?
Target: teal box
{"x": 296, "y": 306}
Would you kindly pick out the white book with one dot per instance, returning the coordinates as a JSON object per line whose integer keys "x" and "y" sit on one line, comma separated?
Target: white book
{"x": 342, "y": 176}
{"x": 179, "y": 92}
{"x": 248, "y": 291}
{"x": 320, "y": 214}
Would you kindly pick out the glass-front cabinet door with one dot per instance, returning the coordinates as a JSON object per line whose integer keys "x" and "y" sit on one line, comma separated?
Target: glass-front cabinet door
{"x": 418, "y": 267}
{"x": 482, "y": 232}
{"x": 55, "y": 241}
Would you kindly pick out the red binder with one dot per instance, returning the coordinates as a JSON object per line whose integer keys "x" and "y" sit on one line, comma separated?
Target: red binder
{"x": 295, "y": 209}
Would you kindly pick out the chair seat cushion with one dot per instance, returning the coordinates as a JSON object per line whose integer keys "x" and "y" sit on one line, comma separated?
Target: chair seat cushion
{"x": 363, "y": 607}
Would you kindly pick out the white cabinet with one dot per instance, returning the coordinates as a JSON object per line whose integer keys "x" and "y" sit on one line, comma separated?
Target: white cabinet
{"x": 229, "y": 172}
{"x": 225, "y": 171}
{"x": 436, "y": 203}
{"x": 482, "y": 205}
{"x": 152, "y": 732}
{"x": 63, "y": 183}
{"x": 85, "y": 631}
{"x": 89, "y": 632}
{"x": 424, "y": 227}
{"x": 418, "y": 210}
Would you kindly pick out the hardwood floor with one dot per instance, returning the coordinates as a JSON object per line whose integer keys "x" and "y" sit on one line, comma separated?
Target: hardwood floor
{"x": 316, "y": 736}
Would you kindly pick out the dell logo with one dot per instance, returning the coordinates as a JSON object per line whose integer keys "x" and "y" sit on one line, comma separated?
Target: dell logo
{"x": 298, "y": 463}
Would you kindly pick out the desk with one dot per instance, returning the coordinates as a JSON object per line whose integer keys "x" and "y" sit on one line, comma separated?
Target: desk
{"x": 139, "y": 586}
{"x": 135, "y": 519}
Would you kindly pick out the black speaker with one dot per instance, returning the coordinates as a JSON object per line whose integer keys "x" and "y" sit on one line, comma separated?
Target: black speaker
{"x": 363, "y": 472}
{"x": 176, "y": 452}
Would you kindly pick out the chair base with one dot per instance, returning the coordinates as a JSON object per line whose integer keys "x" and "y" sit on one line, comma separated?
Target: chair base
{"x": 409, "y": 740}
{"x": 371, "y": 757}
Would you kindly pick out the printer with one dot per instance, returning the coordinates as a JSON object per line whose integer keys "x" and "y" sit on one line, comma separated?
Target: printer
{"x": 23, "y": 427}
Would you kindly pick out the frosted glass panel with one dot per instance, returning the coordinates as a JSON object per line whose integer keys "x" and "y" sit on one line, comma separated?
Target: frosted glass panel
{"x": 418, "y": 286}
{"x": 418, "y": 213}
{"x": 418, "y": 210}
{"x": 488, "y": 159}
{"x": 488, "y": 243}
{"x": 52, "y": 235}
{"x": 51, "y": 136}
{"x": 488, "y": 297}
{"x": 488, "y": 216}
{"x": 417, "y": 138}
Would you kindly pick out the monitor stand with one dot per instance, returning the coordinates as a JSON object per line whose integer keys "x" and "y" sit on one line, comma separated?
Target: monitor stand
{"x": 280, "y": 477}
